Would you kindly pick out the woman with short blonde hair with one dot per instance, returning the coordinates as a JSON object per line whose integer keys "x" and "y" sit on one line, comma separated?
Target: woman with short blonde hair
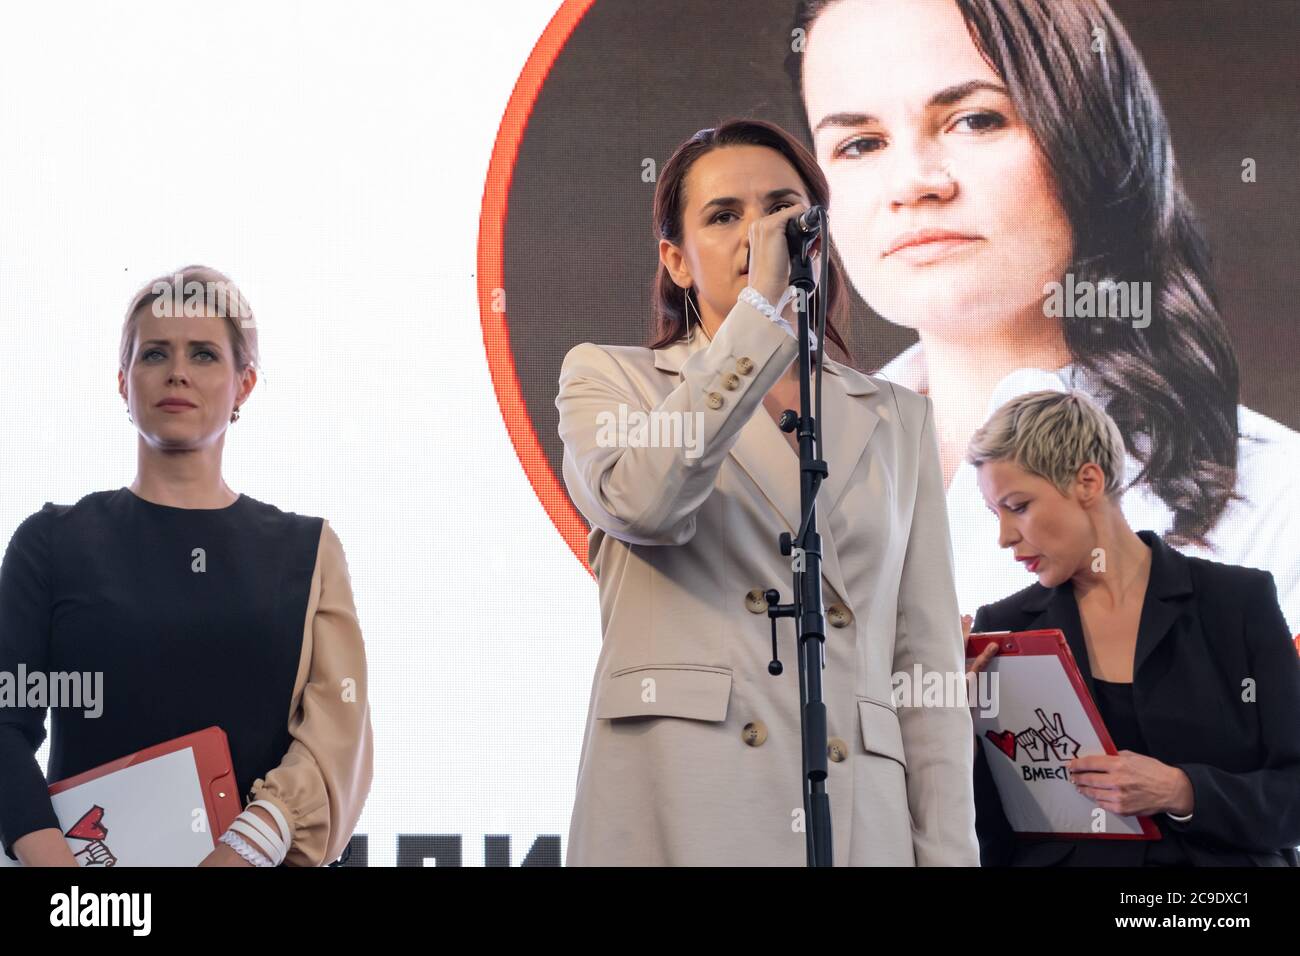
{"x": 1052, "y": 434}
{"x": 1150, "y": 630}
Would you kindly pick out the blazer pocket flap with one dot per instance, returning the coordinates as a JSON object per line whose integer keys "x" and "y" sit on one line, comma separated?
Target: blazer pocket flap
{"x": 697, "y": 693}
{"x": 881, "y": 733}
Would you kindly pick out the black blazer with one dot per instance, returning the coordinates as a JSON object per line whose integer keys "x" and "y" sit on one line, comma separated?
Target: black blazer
{"x": 1210, "y": 635}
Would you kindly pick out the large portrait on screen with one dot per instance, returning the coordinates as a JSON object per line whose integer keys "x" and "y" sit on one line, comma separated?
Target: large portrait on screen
{"x": 1127, "y": 171}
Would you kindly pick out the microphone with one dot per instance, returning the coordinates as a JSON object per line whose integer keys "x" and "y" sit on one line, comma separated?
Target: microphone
{"x": 809, "y": 222}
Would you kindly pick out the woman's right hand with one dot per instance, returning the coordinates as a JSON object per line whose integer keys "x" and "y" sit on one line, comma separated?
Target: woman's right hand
{"x": 977, "y": 664}
{"x": 44, "y": 848}
{"x": 986, "y": 655}
{"x": 769, "y": 253}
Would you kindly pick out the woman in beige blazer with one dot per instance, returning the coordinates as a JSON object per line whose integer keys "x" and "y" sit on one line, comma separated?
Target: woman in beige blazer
{"x": 692, "y": 750}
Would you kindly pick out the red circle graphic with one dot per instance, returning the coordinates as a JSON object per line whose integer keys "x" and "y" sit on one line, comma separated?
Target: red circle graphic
{"x": 491, "y": 277}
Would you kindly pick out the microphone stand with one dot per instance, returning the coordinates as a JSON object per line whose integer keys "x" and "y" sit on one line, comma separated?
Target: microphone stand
{"x": 805, "y": 546}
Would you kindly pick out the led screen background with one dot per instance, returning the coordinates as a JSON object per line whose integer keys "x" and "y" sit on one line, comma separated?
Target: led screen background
{"x": 371, "y": 175}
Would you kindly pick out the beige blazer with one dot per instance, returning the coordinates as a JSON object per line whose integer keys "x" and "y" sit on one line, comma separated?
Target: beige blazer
{"x": 691, "y": 753}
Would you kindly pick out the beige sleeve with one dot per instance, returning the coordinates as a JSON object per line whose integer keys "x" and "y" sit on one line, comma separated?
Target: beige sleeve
{"x": 650, "y": 495}
{"x": 322, "y": 783}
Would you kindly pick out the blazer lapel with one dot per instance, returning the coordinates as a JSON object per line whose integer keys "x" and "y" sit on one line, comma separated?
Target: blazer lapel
{"x": 1169, "y": 583}
{"x": 847, "y": 428}
{"x": 763, "y": 453}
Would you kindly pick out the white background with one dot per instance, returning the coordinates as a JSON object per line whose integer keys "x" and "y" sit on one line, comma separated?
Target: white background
{"x": 330, "y": 157}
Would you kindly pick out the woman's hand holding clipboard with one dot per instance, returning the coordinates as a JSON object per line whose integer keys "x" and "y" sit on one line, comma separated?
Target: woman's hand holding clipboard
{"x": 1033, "y": 757}
{"x": 976, "y": 664}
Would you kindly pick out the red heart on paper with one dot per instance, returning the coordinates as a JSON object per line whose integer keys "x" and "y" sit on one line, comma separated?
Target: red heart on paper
{"x": 89, "y": 827}
{"x": 1005, "y": 741}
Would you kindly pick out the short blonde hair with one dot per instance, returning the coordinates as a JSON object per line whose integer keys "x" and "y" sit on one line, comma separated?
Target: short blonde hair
{"x": 1052, "y": 435}
{"x": 220, "y": 294}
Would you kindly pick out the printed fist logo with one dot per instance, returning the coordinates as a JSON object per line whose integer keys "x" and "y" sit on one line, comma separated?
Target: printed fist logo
{"x": 91, "y": 829}
{"x": 1032, "y": 744}
{"x": 1046, "y": 741}
{"x": 1065, "y": 747}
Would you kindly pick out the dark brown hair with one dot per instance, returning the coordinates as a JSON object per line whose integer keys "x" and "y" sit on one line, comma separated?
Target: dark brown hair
{"x": 668, "y": 317}
{"x": 1172, "y": 387}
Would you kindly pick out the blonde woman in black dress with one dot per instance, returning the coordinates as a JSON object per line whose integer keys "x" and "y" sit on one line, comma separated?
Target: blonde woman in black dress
{"x": 199, "y": 605}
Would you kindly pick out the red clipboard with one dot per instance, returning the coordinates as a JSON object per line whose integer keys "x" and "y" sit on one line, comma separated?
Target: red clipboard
{"x": 211, "y": 757}
{"x": 1053, "y": 643}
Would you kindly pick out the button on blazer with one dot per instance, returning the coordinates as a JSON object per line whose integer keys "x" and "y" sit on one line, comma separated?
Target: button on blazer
{"x": 692, "y": 752}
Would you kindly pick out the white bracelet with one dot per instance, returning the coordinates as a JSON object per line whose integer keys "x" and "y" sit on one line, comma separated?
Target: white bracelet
{"x": 285, "y": 830}
{"x": 1178, "y": 818}
{"x": 242, "y": 827}
{"x": 250, "y": 825}
{"x": 242, "y": 847}
{"x": 275, "y": 844}
{"x": 755, "y": 298}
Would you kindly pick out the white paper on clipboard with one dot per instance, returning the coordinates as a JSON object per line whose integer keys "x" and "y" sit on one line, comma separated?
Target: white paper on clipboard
{"x": 1040, "y": 725}
{"x": 148, "y": 814}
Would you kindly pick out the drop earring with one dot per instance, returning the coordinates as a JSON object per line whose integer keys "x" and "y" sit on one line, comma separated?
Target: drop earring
{"x": 699, "y": 319}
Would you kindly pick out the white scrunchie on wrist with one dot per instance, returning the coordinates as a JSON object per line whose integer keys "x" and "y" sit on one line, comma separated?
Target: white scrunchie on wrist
{"x": 755, "y": 298}
{"x": 244, "y": 848}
